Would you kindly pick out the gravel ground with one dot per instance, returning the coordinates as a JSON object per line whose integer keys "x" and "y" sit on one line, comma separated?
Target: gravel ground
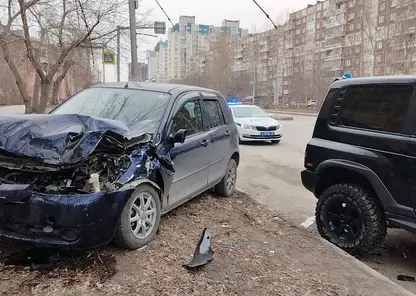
{"x": 254, "y": 252}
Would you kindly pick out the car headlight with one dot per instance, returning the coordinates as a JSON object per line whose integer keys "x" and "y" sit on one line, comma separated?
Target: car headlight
{"x": 247, "y": 126}
{"x": 279, "y": 126}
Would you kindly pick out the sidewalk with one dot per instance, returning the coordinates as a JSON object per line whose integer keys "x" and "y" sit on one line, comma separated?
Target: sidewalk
{"x": 293, "y": 112}
{"x": 255, "y": 252}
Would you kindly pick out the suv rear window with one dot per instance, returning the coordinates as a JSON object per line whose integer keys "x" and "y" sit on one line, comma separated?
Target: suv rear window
{"x": 376, "y": 107}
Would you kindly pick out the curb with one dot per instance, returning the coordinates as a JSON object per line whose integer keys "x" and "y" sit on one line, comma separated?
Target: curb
{"x": 365, "y": 267}
{"x": 283, "y": 118}
{"x": 295, "y": 113}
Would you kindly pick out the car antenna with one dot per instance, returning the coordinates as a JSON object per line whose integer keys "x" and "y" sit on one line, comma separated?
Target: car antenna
{"x": 127, "y": 85}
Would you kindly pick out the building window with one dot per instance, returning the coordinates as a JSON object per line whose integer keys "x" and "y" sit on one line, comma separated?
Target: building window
{"x": 351, "y": 27}
{"x": 347, "y": 62}
{"x": 379, "y": 44}
{"x": 393, "y": 3}
{"x": 378, "y": 58}
{"x": 381, "y": 19}
{"x": 393, "y": 16}
{"x": 318, "y": 25}
{"x": 378, "y": 107}
{"x": 382, "y": 6}
{"x": 357, "y": 49}
{"x": 351, "y": 16}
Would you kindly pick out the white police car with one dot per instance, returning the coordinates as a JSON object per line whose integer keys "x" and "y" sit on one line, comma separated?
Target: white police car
{"x": 254, "y": 124}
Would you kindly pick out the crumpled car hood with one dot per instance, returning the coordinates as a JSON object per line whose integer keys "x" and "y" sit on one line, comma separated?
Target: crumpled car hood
{"x": 60, "y": 138}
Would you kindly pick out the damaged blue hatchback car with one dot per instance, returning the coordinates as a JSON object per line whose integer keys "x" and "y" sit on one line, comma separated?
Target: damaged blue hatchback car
{"x": 108, "y": 162}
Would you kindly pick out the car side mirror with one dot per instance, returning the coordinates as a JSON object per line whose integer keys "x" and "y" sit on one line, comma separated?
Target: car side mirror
{"x": 179, "y": 136}
{"x": 270, "y": 114}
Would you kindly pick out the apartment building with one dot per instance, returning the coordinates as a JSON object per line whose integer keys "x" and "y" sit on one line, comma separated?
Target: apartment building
{"x": 188, "y": 45}
{"x": 297, "y": 62}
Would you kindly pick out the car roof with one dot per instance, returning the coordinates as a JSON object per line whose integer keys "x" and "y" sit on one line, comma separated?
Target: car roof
{"x": 153, "y": 86}
{"x": 400, "y": 79}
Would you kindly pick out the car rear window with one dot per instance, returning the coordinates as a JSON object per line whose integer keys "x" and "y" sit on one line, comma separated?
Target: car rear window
{"x": 376, "y": 107}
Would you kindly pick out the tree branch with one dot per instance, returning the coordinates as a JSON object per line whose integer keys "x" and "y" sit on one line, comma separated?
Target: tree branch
{"x": 67, "y": 50}
{"x": 29, "y": 46}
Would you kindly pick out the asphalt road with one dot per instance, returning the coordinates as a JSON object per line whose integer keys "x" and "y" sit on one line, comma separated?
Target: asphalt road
{"x": 271, "y": 174}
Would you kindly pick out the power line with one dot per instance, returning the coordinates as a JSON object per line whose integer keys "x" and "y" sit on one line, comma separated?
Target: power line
{"x": 264, "y": 13}
{"x": 165, "y": 13}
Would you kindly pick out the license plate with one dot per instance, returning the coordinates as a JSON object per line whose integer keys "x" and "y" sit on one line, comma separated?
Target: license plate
{"x": 266, "y": 133}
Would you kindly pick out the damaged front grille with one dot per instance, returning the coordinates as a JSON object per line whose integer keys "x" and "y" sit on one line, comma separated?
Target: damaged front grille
{"x": 96, "y": 174}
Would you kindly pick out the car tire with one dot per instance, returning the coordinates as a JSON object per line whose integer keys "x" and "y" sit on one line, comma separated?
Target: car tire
{"x": 362, "y": 216}
{"x": 275, "y": 141}
{"x": 227, "y": 185}
{"x": 125, "y": 236}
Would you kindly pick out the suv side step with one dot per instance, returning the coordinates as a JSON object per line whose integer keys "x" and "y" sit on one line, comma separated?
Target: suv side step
{"x": 400, "y": 221}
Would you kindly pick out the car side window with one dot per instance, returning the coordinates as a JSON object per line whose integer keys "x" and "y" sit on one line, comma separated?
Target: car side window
{"x": 188, "y": 117}
{"x": 376, "y": 107}
{"x": 213, "y": 111}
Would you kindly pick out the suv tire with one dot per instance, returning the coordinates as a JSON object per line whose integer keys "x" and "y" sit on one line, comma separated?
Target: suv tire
{"x": 359, "y": 213}
{"x": 124, "y": 236}
{"x": 225, "y": 188}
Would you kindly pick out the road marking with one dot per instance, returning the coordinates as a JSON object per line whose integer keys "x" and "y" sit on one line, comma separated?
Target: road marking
{"x": 308, "y": 222}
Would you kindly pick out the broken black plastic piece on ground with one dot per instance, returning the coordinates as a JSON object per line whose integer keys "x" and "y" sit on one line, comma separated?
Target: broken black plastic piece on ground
{"x": 203, "y": 253}
{"x": 405, "y": 278}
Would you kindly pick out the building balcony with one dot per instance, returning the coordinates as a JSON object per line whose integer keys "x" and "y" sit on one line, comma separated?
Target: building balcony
{"x": 263, "y": 42}
{"x": 333, "y": 46}
{"x": 264, "y": 49}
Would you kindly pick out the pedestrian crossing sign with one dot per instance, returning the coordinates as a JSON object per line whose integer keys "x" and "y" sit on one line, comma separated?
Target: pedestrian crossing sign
{"x": 109, "y": 58}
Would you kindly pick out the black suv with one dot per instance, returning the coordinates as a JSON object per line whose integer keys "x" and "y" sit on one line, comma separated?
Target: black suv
{"x": 361, "y": 161}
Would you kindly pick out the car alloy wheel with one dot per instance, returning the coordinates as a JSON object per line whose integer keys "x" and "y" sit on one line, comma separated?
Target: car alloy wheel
{"x": 342, "y": 218}
{"x": 231, "y": 177}
{"x": 349, "y": 216}
{"x": 143, "y": 215}
{"x": 140, "y": 218}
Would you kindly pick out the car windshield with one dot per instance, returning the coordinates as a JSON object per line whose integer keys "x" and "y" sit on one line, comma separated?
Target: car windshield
{"x": 240, "y": 112}
{"x": 131, "y": 106}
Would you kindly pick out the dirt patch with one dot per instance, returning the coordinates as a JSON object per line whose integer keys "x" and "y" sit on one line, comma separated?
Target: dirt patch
{"x": 254, "y": 252}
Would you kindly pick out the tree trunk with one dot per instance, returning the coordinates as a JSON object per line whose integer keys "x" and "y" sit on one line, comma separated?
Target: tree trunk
{"x": 19, "y": 81}
{"x": 44, "y": 97}
{"x": 57, "y": 84}
{"x": 55, "y": 89}
{"x": 36, "y": 88}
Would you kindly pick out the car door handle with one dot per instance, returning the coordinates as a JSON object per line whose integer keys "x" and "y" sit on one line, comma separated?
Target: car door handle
{"x": 205, "y": 142}
{"x": 227, "y": 133}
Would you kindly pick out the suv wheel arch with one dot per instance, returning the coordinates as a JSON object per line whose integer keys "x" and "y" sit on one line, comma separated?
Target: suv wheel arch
{"x": 329, "y": 171}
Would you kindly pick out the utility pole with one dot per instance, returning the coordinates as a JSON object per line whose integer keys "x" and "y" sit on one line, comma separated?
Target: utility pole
{"x": 133, "y": 39}
{"x": 103, "y": 73}
{"x": 254, "y": 83}
{"x": 118, "y": 54}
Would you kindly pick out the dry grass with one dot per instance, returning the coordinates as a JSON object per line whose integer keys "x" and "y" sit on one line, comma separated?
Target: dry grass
{"x": 255, "y": 252}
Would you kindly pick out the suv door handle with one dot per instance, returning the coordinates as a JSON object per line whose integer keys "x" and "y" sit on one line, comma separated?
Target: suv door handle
{"x": 205, "y": 142}
{"x": 227, "y": 133}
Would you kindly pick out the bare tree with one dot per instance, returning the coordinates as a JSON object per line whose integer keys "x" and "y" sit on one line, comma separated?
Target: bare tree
{"x": 64, "y": 29}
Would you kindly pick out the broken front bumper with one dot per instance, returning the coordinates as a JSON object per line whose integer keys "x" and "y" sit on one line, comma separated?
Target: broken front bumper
{"x": 63, "y": 221}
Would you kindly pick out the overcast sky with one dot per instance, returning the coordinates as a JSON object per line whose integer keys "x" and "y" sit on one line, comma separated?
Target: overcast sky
{"x": 212, "y": 12}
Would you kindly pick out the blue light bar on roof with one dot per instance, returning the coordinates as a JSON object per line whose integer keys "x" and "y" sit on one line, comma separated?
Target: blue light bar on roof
{"x": 233, "y": 103}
